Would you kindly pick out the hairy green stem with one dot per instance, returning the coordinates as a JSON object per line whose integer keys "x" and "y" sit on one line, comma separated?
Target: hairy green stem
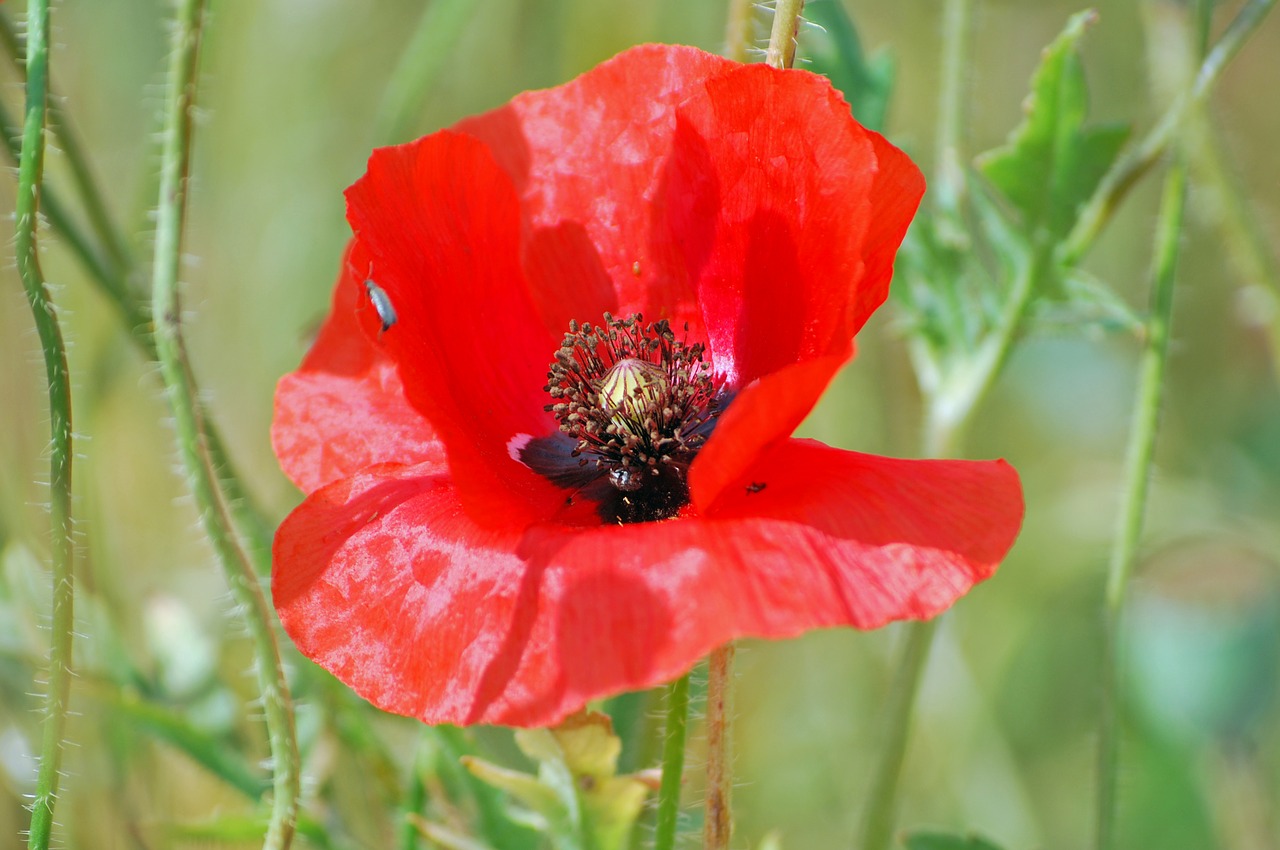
{"x": 737, "y": 30}
{"x": 718, "y": 821}
{"x": 781, "y": 52}
{"x": 426, "y": 56}
{"x": 112, "y": 278}
{"x": 180, "y": 384}
{"x": 60, "y": 220}
{"x": 96, "y": 208}
{"x": 1142, "y": 438}
{"x": 1126, "y": 171}
{"x": 664, "y": 835}
{"x": 26, "y": 209}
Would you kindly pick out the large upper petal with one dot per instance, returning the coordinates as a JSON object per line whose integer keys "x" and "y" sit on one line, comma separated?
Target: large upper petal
{"x": 588, "y": 159}
{"x": 439, "y": 222}
{"x": 789, "y": 214}
{"x": 384, "y": 580}
{"x": 344, "y": 407}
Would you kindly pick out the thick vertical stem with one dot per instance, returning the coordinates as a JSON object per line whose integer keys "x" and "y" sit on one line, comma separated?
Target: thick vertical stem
{"x": 718, "y": 822}
{"x": 664, "y": 837}
{"x": 781, "y": 52}
{"x": 26, "y": 209}
{"x": 170, "y": 220}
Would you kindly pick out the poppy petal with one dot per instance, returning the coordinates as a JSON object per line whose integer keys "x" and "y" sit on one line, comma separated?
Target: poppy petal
{"x": 589, "y": 160}
{"x": 344, "y": 408}
{"x": 762, "y": 413}
{"x": 776, "y": 193}
{"x": 440, "y": 222}
{"x": 384, "y": 580}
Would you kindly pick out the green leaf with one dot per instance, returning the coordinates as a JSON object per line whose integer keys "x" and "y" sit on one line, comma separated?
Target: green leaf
{"x": 237, "y": 830}
{"x": 209, "y": 752}
{"x": 577, "y": 798}
{"x": 835, "y": 51}
{"x": 1052, "y": 163}
{"x": 945, "y": 841}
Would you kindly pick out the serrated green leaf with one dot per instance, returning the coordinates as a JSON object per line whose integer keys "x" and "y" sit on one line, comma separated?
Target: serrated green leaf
{"x": 835, "y": 51}
{"x": 944, "y": 841}
{"x": 1052, "y": 163}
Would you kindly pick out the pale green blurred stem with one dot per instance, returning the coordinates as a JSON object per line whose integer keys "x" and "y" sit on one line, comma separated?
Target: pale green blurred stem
{"x": 718, "y": 821}
{"x": 426, "y": 56}
{"x": 1237, "y": 226}
{"x": 737, "y": 30}
{"x": 781, "y": 52}
{"x": 664, "y": 833}
{"x": 882, "y": 802}
{"x": 948, "y": 182}
{"x": 1141, "y": 449}
{"x": 1126, "y": 171}
{"x": 180, "y": 384}
{"x": 26, "y": 213}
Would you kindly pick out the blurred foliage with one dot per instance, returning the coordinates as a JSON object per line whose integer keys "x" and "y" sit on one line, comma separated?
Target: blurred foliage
{"x": 170, "y": 749}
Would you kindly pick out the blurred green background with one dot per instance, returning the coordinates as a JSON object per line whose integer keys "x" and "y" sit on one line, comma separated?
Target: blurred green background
{"x": 1005, "y": 733}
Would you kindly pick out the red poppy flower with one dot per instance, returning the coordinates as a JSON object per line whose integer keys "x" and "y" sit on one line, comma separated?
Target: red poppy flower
{"x": 545, "y": 432}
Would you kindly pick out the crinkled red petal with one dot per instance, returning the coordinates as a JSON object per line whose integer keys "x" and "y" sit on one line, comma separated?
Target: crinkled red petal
{"x": 788, "y": 213}
{"x": 590, "y": 160}
{"x": 762, "y": 413}
{"x": 344, "y": 408}
{"x": 383, "y": 579}
{"x": 441, "y": 227}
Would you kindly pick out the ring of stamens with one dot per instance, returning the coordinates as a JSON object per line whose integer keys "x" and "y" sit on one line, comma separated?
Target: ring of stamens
{"x": 636, "y": 399}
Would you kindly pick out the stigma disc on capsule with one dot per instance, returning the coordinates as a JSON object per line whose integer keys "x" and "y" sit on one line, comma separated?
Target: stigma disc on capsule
{"x": 382, "y": 304}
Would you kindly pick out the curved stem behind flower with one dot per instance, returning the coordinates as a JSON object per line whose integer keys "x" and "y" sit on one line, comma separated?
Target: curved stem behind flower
{"x": 26, "y": 209}
{"x": 664, "y": 837}
{"x": 170, "y": 218}
{"x": 737, "y": 30}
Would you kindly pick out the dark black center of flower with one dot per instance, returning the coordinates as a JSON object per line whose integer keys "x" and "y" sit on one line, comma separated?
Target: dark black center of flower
{"x": 636, "y": 403}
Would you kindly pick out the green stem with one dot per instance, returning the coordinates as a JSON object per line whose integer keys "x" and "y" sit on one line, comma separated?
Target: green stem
{"x": 1126, "y": 171}
{"x": 1141, "y": 449}
{"x": 249, "y": 517}
{"x": 26, "y": 209}
{"x": 882, "y": 802}
{"x": 174, "y": 366}
{"x": 427, "y": 54}
{"x": 73, "y": 152}
{"x": 664, "y": 837}
{"x": 781, "y": 52}
{"x": 718, "y": 822}
{"x": 948, "y": 182}
{"x": 737, "y": 30}
{"x": 1138, "y": 462}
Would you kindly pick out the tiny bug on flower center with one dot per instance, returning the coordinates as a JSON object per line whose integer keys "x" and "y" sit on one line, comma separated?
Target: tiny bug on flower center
{"x": 381, "y": 304}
